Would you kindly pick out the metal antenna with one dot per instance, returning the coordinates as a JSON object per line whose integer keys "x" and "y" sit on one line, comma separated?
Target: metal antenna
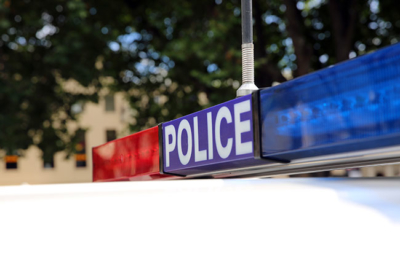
{"x": 248, "y": 85}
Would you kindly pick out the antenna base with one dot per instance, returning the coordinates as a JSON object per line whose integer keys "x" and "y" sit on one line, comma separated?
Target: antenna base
{"x": 246, "y": 89}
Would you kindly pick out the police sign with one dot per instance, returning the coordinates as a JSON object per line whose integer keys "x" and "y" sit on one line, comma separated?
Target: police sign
{"x": 217, "y": 138}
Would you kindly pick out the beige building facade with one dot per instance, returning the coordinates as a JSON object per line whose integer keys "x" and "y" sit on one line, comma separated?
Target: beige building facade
{"x": 106, "y": 120}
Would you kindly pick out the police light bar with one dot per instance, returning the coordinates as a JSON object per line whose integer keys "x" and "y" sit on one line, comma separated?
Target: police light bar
{"x": 347, "y": 115}
{"x": 352, "y": 106}
{"x": 135, "y": 157}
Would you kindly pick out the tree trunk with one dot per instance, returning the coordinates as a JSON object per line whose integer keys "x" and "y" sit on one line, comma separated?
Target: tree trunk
{"x": 297, "y": 32}
{"x": 266, "y": 73}
{"x": 343, "y": 15}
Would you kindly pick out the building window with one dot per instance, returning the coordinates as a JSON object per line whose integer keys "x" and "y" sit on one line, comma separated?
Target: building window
{"x": 110, "y": 103}
{"x": 80, "y": 160}
{"x": 80, "y": 149}
{"x": 111, "y": 135}
{"x": 48, "y": 163}
{"x": 11, "y": 161}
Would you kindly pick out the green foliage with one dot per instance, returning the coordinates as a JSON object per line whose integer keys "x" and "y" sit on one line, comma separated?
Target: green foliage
{"x": 170, "y": 58}
{"x": 43, "y": 43}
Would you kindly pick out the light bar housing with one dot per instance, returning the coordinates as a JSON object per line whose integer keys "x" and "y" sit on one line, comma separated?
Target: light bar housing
{"x": 352, "y": 106}
{"x": 135, "y": 157}
{"x": 347, "y": 115}
{"x": 218, "y": 138}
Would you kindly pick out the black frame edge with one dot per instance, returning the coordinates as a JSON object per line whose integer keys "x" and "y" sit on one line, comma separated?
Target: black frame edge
{"x": 257, "y": 141}
{"x": 160, "y": 149}
{"x": 255, "y": 102}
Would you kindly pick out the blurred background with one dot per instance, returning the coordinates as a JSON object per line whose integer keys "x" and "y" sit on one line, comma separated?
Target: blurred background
{"x": 76, "y": 74}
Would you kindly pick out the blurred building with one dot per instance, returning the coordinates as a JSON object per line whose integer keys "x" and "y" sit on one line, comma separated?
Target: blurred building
{"x": 382, "y": 170}
{"x": 104, "y": 121}
{"x": 369, "y": 171}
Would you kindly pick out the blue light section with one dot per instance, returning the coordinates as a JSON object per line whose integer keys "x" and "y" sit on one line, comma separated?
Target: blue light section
{"x": 351, "y": 106}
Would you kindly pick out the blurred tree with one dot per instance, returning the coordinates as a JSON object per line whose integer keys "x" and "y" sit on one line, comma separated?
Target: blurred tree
{"x": 171, "y": 58}
{"x": 42, "y": 44}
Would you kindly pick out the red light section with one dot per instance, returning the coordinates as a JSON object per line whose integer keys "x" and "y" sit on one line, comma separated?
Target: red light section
{"x": 135, "y": 157}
